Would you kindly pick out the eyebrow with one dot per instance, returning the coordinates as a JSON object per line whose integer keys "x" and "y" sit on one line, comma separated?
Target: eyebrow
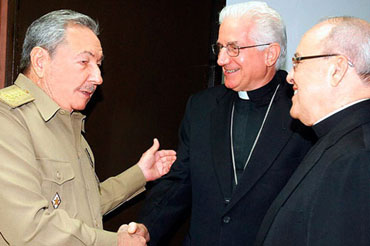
{"x": 231, "y": 42}
{"x": 91, "y": 54}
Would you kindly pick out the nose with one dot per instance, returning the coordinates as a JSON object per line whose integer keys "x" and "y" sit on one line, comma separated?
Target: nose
{"x": 289, "y": 77}
{"x": 95, "y": 75}
{"x": 223, "y": 57}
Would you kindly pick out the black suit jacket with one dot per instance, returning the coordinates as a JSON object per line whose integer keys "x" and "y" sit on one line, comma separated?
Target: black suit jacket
{"x": 200, "y": 180}
{"x": 327, "y": 199}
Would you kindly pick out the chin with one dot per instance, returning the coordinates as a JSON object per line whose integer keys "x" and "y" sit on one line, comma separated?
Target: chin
{"x": 231, "y": 86}
{"x": 304, "y": 120}
{"x": 293, "y": 114}
{"x": 79, "y": 107}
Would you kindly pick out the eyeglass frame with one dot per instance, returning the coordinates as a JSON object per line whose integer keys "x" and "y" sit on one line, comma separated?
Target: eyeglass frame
{"x": 297, "y": 59}
{"x": 220, "y": 46}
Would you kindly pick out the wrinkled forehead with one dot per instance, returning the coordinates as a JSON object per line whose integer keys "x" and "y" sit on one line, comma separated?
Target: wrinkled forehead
{"x": 80, "y": 37}
{"x": 235, "y": 29}
{"x": 313, "y": 40}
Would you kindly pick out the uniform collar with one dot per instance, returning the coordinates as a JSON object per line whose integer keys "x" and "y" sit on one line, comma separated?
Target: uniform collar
{"x": 45, "y": 105}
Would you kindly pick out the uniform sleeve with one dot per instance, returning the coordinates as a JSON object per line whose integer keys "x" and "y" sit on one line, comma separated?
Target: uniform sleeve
{"x": 25, "y": 219}
{"x": 119, "y": 189}
{"x": 170, "y": 199}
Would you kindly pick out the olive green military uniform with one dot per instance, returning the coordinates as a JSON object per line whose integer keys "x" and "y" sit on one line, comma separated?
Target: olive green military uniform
{"x": 49, "y": 192}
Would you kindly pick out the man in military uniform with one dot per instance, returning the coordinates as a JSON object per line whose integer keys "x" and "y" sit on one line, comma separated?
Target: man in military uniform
{"x": 50, "y": 194}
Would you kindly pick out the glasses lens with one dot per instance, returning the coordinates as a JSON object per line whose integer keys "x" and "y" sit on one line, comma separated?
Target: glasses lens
{"x": 295, "y": 61}
{"x": 216, "y": 49}
{"x": 232, "y": 50}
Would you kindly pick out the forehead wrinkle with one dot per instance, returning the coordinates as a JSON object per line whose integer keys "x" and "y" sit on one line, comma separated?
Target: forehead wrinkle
{"x": 314, "y": 39}
{"x": 86, "y": 52}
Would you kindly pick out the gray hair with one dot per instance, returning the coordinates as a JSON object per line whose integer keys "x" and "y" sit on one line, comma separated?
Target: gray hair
{"x": 269, "y": 25}
{"x": 48, "y": 32}
{"x": 350, "y": 36}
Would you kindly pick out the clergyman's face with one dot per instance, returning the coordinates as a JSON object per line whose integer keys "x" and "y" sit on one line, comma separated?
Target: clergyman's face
{"x": 246, "y": 71}
{"x": 73, "y": 71}
{"x": 309, "y": 78}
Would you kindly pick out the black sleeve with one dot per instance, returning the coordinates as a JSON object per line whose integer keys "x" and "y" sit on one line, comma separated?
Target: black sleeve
{"x": 169, "y": 200}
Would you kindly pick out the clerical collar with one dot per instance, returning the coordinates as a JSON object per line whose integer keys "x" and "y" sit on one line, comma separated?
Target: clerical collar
{"x": 324, "y": 126}
{"x": 243, "y": 95}
{"x": 339, "y": 109}
{"x": 263, "y": 94}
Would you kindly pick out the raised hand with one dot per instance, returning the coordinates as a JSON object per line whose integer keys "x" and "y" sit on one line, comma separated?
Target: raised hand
{"x": 154, "y": 164}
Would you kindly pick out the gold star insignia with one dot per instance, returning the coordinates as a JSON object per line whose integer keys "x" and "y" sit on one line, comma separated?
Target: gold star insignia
{"x": 56, "y": 201}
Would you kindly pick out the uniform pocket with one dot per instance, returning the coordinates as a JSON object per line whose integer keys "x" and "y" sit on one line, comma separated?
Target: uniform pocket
{"x": 58, "y": 181}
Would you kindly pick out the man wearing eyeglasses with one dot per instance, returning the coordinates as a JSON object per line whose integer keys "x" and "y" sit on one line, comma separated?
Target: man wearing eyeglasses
{"x": 327, "y": 199}
{"x": 238, "y": 145}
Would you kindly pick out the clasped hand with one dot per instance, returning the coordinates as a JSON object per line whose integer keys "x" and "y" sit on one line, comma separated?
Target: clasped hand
{"x": 133, "y": 234}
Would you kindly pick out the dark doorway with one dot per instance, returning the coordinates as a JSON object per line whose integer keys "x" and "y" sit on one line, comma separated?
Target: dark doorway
{"x": 157, "y": 53}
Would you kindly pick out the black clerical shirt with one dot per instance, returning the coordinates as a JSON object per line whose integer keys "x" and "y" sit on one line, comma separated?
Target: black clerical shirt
{"x": 247, "y": 121}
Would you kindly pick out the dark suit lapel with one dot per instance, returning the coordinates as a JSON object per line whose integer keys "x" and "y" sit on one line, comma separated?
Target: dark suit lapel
{"x": 273, "y": 138}
{"x": 313, "y": 156}
{"x": 306, "y": 165}
{"x": 220, "y": 142}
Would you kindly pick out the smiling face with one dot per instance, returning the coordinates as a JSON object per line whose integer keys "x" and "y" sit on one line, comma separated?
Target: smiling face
{"x": 311, "y": 80}
{"x": 72, "y": 73}
{"x": 248, "y": 70}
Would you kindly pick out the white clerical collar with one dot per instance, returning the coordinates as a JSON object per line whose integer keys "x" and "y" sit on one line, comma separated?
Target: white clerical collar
{"x": 340, "y": 109}
{"x": 243, "y": 95}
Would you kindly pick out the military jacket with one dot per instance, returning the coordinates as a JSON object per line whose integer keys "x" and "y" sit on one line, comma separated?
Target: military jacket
{"x": 50, "y": 194}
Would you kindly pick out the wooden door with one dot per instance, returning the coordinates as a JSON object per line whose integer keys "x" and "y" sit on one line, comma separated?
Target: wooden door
{"x": 157, "y": 53}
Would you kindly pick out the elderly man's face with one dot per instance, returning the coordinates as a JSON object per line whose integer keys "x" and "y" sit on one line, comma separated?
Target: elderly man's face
{"x": 72, "y": 73}
{"x": 311, "y": 83}
{"x": 246, "y": 71}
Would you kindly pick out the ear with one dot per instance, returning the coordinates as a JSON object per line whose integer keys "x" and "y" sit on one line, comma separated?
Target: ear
{"x": 39, "y": 58}
{"x": 272, "y": 53}
{"x": 337, "y": 70}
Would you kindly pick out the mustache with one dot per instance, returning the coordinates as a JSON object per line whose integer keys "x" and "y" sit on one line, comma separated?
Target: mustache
{"x": 88, "y": 88}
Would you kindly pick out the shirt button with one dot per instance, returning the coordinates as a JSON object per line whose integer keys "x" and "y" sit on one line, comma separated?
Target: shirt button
{"x": 59, "y": 176}
{"x": 226, "y": 219}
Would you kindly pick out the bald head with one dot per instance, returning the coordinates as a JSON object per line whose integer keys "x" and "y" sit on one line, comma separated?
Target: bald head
{"x": 331, "y": 69}
{"x": 349, "y": 36}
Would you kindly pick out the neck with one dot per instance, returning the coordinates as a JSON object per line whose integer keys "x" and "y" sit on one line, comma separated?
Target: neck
{"x": 267, "y": 77}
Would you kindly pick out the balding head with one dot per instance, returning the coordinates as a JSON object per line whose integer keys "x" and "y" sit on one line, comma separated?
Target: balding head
{"x": 331, "y": 68}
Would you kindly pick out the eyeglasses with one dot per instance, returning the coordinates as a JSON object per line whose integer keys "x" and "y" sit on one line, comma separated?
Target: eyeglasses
{"x": 232, "y": 49}
{"x": 297, "y": 59}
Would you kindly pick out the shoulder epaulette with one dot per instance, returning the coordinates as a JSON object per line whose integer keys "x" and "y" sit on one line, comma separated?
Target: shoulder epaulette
{"x": 15, "y": 96}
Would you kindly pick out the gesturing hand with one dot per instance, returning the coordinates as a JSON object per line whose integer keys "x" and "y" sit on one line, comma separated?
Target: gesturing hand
{"x": 154, "y": 164}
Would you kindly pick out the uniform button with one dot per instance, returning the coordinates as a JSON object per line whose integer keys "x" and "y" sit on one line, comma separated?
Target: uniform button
{"x": 58, "y": 175}
{"x": 62, "y": 111}
{"x": 227, "y": 201}
{"x": 226, "y": 219}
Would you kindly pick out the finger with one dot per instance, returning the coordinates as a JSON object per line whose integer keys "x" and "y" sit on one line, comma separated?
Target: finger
{"x": 132, "y": 227}
{"x": 154, "y": 147}
{"x": 167, "y": 160}
{"x": 162, "y": 153}
{"x": 123, "y": 228}
{"x": 165, "y": 167}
